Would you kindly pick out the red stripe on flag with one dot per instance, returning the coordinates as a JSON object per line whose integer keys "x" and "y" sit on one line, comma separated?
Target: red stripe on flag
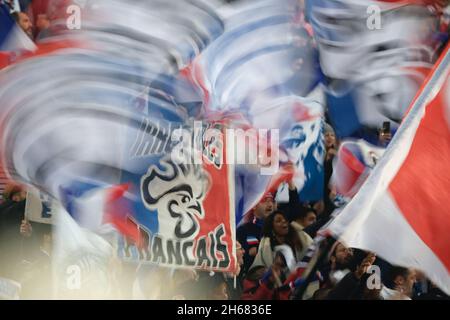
{"x": 194, "y": 73}
{"x": 284, "y": 174}
{"x": 348, "y": 172}
{"x": 427, "y": 80}
{"x": 5, "y": 59}
{"x": 438, "y": 4}
{"x": 421, "y": 187}
{"x": 50, "y": 48}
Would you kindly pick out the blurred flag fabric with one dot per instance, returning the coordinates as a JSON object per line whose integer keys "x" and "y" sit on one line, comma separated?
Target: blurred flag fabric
{"x": 169, "y": 213}
{"x": 100, "y": 142}
{"x": 353, "y": 163}
{"x": 95, "y": 130}
{"x": 372, "y": 71}
{"x": 3, "y": 183}
{"x": 9, "y": 289}
{"x": 400, "y": 213}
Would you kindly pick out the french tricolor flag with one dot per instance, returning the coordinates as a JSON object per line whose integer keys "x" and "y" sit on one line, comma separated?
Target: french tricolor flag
{"x": 401, "y": 211}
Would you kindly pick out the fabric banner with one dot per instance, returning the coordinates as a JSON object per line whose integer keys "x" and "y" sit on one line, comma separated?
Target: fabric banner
{"x": 399, "y": 213}
{"x": 178, "y": 213}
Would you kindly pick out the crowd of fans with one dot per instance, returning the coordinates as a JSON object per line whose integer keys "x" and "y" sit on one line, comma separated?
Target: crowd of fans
{"x": 272, "y": 242}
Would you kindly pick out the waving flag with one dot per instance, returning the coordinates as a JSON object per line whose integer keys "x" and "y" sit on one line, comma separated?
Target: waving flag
{"x": 259, "y": 68}
{"x": 81, "y": 261}
{"x": 305, "y": 148}
{"x": 398, "y": 213}
{"x": 101, "y": 142}
{"x": 260, "y": 37}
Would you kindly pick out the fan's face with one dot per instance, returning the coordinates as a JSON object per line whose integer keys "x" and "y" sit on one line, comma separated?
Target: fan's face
{"x": 264, "y": 208}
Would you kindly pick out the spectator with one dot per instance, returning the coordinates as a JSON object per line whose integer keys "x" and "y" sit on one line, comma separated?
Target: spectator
{"x": 192, "y": 285}
{"x": 150, "y": 282}
{"x": 331, "y": 147}
{"x": 26, "y": 229}
{"x": 42, "y": 26}
{"x": 304, "y": 218}
{"x": 401, "y": 284}
{"x": 339, "y": 263}
{"x": 182, "y": 285}
{"x": 37, "y": 11}
{"x": 24, "y": 23}
{"x": 330, "y": 142}
{"x": 271, "y": 283}
{"x": 384, "y": 137}
{"x": 277, "y": 231}
{"x": 14, "y": 189}
{"x": 353, "y": 285}
{"x": 293, "y": 206}
{"x": 249, "y": 234}
{"x": 220, "y": 290}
